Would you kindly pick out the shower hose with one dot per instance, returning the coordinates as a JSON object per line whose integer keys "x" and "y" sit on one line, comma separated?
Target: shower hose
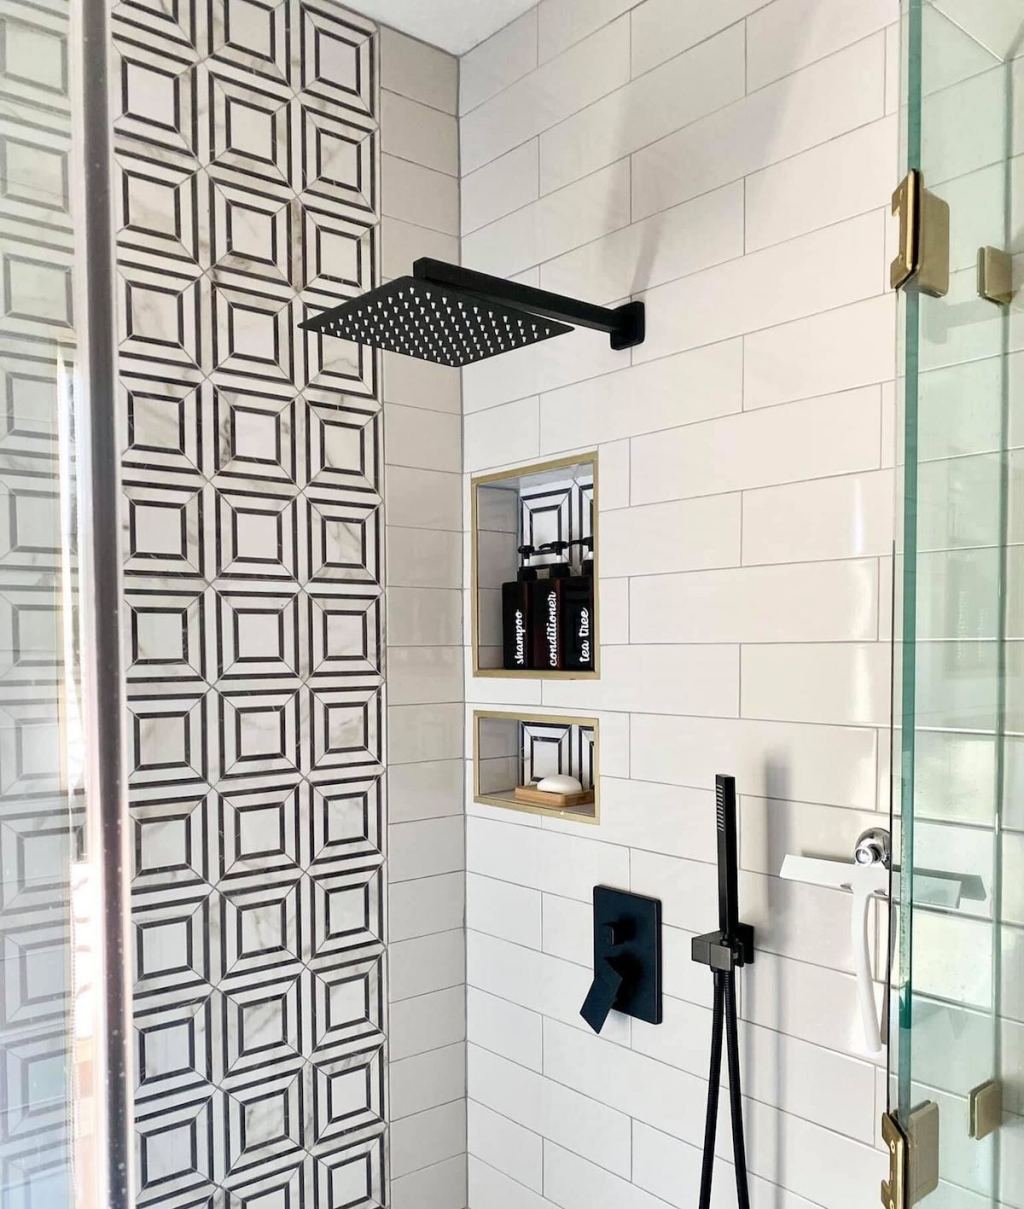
{"x": 724, "y": 1021}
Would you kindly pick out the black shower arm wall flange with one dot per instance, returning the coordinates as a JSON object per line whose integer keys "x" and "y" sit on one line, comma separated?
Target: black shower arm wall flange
{"x": 624, "y": 324}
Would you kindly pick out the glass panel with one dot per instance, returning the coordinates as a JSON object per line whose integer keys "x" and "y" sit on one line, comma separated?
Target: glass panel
{"x": 42, "y": 800}
{"x": 959, "y": 694}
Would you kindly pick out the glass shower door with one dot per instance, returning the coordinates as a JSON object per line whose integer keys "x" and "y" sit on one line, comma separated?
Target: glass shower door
{"x": 957, "y": 1027}
{"x": 62, "y": 1052}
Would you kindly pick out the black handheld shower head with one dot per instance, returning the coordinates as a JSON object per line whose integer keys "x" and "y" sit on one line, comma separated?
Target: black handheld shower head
{"x": 454, "y": 316}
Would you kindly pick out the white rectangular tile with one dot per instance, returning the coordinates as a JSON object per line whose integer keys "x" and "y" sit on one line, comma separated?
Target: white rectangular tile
{"x": 813, "y": 438}
{"x": 504, "y": 1028}
{"x": 429, "y": 440}
{"x": 700, "y": 679}
{"x": 808, "y": 763}
{"x": 420, "y": 675}
{"x": 566, "y": 218}
{"x": 423, "y": 558}
{"x": 574, "y": 1183}
{"x": 423, "y": 499}
{"x": 425, "y": 1080}
{"x": 424, "y": 791}
{"x": 679, "y": 535}
{"x": 626, "y": 1081}
{"x": 418, "y": 133}
{"x": 505, "y": 184}
{"x": 849, "y": 516}
{"x": 425, "y": 964}
{"x": 506, "y": 1146}
{"x": 536, "y": 981}
{"x": 766, "y": 288}
{"x": 648, "y": 108}
{"x": 562, "y": 864}
{"x": 419, "y": 195}
{"x": 837, "y": 350}
{"x": 545, "y": 366}
{"x": 555, "y": 1111}
{"x": 416, "y": 383}
{"x": 498, "y": 62}
{"x": 839, "y": 179}
{"x": 664, "y": 28}
{"x": 536, "y": 102}
{"x": 402, "y": 243}
{"x": 684, "y": 389}
{"x": 846, "y": 683}
{"x": 813, "y": 105}
{"x": 562, "y": 23}
{"x": 428, "y": 1138}
{"x": 502, "y": 435}
{"x": 684, "y": 239}
{"x": 418, "y": 71}
{"x": 490, "y": 1187}
{"x": 502, "y": 909}
{"x": 613, "y": 461}
{"x": 432, "y": 904}
{"x": 424, "y": 732}
{"x": 437, "y": 1187}
{"x": 425, "y": 848}
{"x": 786, "y": 35}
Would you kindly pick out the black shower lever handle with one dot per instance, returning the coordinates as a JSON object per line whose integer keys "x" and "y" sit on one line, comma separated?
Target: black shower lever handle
{"x": 601, "y": 997}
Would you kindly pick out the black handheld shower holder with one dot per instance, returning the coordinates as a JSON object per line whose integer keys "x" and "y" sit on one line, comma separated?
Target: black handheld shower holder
{"x": 725, "y": 950}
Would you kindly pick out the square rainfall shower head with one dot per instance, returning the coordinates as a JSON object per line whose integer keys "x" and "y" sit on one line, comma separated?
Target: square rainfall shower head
{"x": 433, "y": 322}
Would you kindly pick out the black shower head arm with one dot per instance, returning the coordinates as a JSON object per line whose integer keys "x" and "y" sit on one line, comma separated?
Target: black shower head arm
{"x": 624, "y": 324}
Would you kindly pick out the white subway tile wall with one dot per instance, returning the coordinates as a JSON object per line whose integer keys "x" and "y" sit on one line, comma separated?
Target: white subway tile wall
{"x": 423, "y": 508}
{"x": 730, "y": 163}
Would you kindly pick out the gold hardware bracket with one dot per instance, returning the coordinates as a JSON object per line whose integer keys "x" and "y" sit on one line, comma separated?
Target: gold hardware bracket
{"x": 894, "y": 1189}
{"x": 913, "y": 1157}
{"x": 995, "y": 275}
{"x": 923, "y": 255}
{"x": 986, "y": 1108}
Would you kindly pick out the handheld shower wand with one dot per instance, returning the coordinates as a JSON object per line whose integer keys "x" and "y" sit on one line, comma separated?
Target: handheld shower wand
{"x": 731, "y": 946}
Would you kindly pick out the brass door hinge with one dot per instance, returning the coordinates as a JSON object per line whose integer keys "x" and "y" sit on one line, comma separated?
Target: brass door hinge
{"x": 913, "y": 1157}
{"x": 986, "y": 1108}
{"x": 995, "y": 275}
{"x": 923, "y": 257}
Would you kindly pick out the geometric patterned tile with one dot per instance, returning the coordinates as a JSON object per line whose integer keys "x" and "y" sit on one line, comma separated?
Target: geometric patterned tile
{"x": 346, "y": 727}
{"x": 158, "y": 205}
{"x": 246, "y": 147}
{"x": 250, "y": 231}
{"x": 166, "y": 629}
{"x": 250, "y": 127}
{"x": 258, "y": 634}
{"x": 344, "y": 445}
{"x": 344, "y": 540}
{"x": 339, "y": 251}
{"x": 163, "y": 420}
{"x": 345, "y": 635}
{"x": 254, "y": 35}
{"x": 336, "y": 56}
{"x": 156, "y": 98}
{"x": 337, "y": 159}
{"x": 255, "y": 436}
{"x": 346, "y": 822}
{"x": 353, "y": 1176}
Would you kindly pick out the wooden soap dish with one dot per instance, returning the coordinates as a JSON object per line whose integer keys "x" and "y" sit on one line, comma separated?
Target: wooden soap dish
{"x": 554, "y": 801}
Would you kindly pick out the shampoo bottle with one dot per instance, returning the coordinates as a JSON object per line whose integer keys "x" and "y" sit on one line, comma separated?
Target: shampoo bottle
{"x": 516, "y": 604}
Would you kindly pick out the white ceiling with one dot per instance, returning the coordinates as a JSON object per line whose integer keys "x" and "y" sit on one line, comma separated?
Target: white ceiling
{"x": 454, "y": 25}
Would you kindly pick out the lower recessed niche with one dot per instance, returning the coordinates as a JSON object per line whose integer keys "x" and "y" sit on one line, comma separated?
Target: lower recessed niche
{"x": 514, "y": 751}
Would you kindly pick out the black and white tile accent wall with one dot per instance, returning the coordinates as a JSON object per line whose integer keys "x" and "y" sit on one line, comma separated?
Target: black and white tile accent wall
{"x": 247, "y": 184}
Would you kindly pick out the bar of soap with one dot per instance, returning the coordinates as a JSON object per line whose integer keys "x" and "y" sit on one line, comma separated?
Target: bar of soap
{"x": 560, "y": 784}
